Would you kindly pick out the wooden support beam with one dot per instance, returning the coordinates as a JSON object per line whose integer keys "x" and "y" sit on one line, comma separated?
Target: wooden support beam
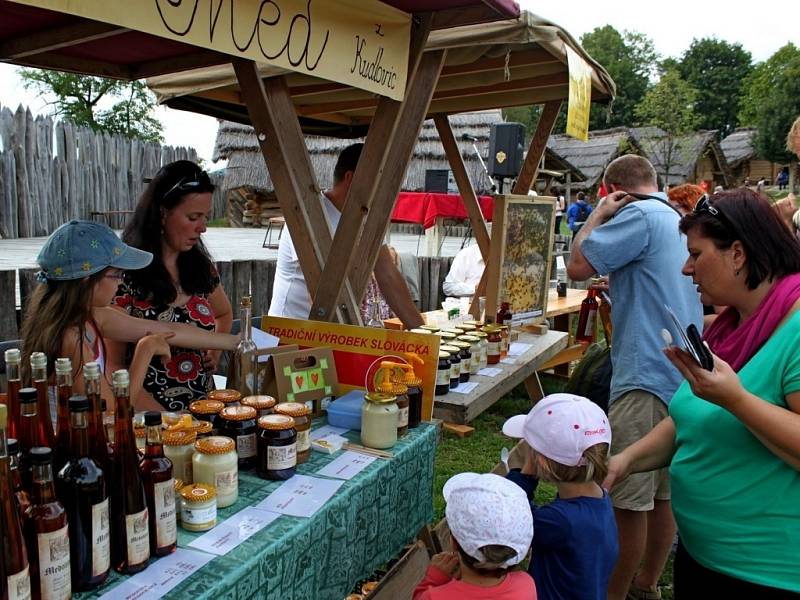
{"x": 369, "y": 172}
{"x": 277, "y": 130}
{"x": 84, "y": 66}
{"x": 465, "y": 15}
{"x": 465, "y": 188}
{"x": 530, "y": 167}
{"x": 195, "y": 60}
{"x": 57, "y": 38}
{"x": 412, "y": 115}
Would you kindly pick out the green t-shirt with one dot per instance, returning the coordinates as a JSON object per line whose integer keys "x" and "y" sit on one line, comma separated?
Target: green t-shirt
{"x": 737, "y": 505}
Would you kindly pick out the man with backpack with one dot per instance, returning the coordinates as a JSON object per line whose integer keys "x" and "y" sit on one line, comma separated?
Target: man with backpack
{"x": 578, "y": 213}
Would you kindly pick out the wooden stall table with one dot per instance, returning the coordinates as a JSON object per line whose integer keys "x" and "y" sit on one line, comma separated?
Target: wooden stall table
{"x": 365, "y": 524}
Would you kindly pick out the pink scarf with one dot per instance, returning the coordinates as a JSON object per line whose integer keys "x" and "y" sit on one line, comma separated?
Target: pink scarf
{"x": 737, "y": 342}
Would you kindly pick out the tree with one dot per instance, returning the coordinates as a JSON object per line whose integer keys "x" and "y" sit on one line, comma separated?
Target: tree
{"x": 716, "y": 69}
{"x": 630, "y": 58}
{"x": 771, "y": 102}
{"x": 668, "y": 105}
{"x": 78, "y": 98}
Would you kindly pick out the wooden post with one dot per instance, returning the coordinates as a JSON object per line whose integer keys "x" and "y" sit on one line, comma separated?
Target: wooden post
{"x": 433, "y": 237}
{"x": 277, "y": 129}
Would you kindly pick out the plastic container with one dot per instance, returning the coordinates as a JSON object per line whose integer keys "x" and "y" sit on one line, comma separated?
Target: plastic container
{"x": 345, "y": 411}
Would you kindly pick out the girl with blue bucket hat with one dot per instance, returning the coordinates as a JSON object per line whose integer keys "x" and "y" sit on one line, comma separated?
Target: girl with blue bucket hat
{"x": 69, "y": 314}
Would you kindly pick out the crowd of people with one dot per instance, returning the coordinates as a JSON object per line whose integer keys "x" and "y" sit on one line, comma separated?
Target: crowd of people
{"x": 713, "y": 454}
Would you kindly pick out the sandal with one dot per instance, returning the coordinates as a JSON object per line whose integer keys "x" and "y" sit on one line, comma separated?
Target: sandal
{"x": 636, "y": 592}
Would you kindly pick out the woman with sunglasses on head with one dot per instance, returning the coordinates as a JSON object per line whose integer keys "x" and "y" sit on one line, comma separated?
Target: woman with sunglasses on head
{"x": 69, "y": 314}
{"x": 733, "y": 436}
{"x": 181, "y": 285}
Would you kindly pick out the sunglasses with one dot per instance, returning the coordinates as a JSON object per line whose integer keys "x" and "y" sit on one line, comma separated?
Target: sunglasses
{"x": 704, "y": 206}
{"x": 191, "y": 183}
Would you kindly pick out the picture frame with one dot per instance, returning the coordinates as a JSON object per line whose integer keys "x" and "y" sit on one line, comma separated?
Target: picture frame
{"x": 520, "y": 256}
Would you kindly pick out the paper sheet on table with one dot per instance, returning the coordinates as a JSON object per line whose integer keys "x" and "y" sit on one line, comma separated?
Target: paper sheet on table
{"x": 347, "y": 465}
{"x": 263, "y": 340}
{"x": 301, "y": 496}
{"x": 517, "y": 348}
{"x": 508, "y": 360}
{"x": 490, "y": 372}
{"x": 160, "y": 577}
{"x": 327, "y": 431}
{"x": 220, "y": 381}
{"x": 465, "y": 388}
{"x": 233, "y": 531}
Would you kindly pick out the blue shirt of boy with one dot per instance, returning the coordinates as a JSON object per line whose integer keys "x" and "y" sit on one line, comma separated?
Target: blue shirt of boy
{"x": 574, "y": 212}
{"x": 575, "y": 544}
{"x": 642, "y": 251}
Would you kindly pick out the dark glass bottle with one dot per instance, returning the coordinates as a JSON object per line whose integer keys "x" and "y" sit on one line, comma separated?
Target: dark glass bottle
{"x": 159, "y": 488}
{"x": 21, "y": 494}
{"x": 99, "y": 448}
{"x": 47, "y": 533}
{"x": 39, "y": 381}
{"x": 587, "y": 318}
{"x": 130, "y": 539}
{"x": 31, "y": 434}
{"x": 14, "y": 378}
{"x": 15, "y": 572}
{"x": 63, "y": 392}
{"x": 81, "y": 486}
{"x": 504, "y": 314}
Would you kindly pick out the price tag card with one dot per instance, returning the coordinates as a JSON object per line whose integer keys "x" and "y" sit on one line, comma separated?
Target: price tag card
{"x": 327, "y": 431}
{"x": 233, "y": 531}
{"x": 465, "y": 388}
{"x": 301, "y": 496}
{"x": 517, "y": 348}
{"x": 490, "y": 372}
{"x": 160, "y": 577}
{"x": 346, "y": 466}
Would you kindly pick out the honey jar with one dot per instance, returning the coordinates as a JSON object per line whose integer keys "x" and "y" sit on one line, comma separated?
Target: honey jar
{"x": 302, "y": 424}
{"x": 277, "y": 447}
{"x": 262, "y": 404}
{"x": 240, "y": 426}
{"x": 215, "y": 462}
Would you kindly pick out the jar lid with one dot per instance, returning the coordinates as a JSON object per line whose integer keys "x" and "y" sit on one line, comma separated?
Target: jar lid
{"x": 379, "y": 398}
{"x": 276, "y": 422}
{"x": 447, "y": 335}
{"x": 198, "y": 492}
{"x": 293, "y": 409}
{"x": 470, "y": 339}
{"x": 259, "y": 402}
{"x": 474, "y": 323}
{"x": 431, "y": 328}
{"x": 443, "y": 354}
{"x": 461, "y": 345}
{"x": 203, "y": 427}
{"x": 206, "y": 407}
{"x": 450, "y": 349}
{"x": 467, "y": 327}
{"x": 491, "y": 328}
{"x": 479, "y": 334}
{"x": 369, "y": 587}
{"x": 238, "y": 413}
{"x": 179, "y": 438}
{"x": 456, "y": 330}
{"x": 411, "y": 380}
{"x": 225, "y": 396}
{"x": 420, "y": 330}
{"x": 216, "y": 444}
{"x": 139, "y": 432}
{"x": 178, "y": 485}
{"x": 502, "y": 327}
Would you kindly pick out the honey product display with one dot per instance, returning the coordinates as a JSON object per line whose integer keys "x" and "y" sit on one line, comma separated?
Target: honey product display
{"x": 159, "y": 488}
{"x": 493, "y": 350}
{"x": 243, "y": 372}
{"x": 504, "y": 341}
{"x": 208, "y": 410}
{"x": 240, "y": 426}
{"x": 13, "y": 358}
{"x": 379, "y": 415}
{"x": 39, "y": 381}
{"x": 442, "y": 374}
{"x": 179, "y": 448}
{"x": 262, "y": 404}
{"x": 475, "y": 352}
{"x": 215, "y": 462}
{"x": 455, "y": 364}
{"x": 227, "y": 397}
{"x": 100, "y": 449}
{"x": 484, "y": 348}
{"x": 277, "y": 447}
{"x": 466, "y": 358}
{"x": 63, "y": 393}
{"x": 198, "y": 507}
{"x": 204, "y": 429}
{"x": 302, "y": 424}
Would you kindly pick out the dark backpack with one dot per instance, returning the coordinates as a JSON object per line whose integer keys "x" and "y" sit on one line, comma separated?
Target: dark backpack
{"x": 583, "y": 213}
{"x": 591, "y": 378}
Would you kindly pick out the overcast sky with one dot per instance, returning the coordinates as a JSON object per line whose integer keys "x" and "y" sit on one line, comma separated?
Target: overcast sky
{"x": 762, "y": 30}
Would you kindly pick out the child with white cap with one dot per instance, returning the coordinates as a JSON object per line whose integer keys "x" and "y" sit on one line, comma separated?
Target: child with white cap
{"x": 576, "y": 546}
{"x": 492, "y": 528}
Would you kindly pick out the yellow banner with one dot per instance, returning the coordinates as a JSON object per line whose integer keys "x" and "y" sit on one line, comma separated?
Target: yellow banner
{"x": 361, "y": 43}
{"x": 359, "y": 351}
{"x": 580, "y": 96}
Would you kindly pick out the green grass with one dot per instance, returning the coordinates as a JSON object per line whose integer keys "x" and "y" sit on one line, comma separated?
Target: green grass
{"x": 221, "y": 222}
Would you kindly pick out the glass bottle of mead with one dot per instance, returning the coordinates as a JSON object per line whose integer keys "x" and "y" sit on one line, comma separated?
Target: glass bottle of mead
{"x": 159, "y": 487}
{"x": 244, "y": 366}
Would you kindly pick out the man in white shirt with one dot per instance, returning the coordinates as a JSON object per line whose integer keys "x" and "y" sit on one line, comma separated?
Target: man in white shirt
{"x": 290, "y": 297}
{"x": 465, "y": 272}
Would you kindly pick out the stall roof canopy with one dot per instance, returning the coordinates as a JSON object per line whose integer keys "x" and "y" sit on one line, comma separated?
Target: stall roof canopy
{"x": 52, "y": 39}
{"x": 512, "y": 62}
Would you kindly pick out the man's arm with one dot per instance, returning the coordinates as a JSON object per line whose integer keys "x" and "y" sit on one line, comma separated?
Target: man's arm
{"x": 393, "y": 287}
{"x": 455, "y": 284}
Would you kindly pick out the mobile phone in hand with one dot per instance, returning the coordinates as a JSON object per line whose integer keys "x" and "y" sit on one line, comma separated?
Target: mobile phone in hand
{"x": 701, "y": 351}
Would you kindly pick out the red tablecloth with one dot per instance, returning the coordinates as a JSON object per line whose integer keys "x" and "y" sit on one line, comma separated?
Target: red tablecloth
{"x": 426, "y": 207}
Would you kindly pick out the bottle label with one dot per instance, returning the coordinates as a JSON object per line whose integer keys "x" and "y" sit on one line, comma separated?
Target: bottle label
{"x": 19, "y": 585}
{"x": 198, "y": 516}
{"x": 281, "y": 457}
{"x": 166, "y": 525}
{"x": 54, "y": 572}
{"x": 503, "y": 344}
{"x": 227, "y": 482}
{"x": 494, "y": 349}
{"x": 303, "y": 440}
{"x": 101, "y": 539}
{"x": 402, "y": 417}
{"x": 465, "y": 365}
{"x": 455, "y": 370}
{"x": 138, "y": 537}
{"x": 246, "y": 445}
{"x": 588, "y": 331}
{"x": 443, "y": 377}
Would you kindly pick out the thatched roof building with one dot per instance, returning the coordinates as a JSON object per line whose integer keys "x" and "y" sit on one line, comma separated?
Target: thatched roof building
{"x": 740, "y": 152}
{"x": 237, "y": 143}
{"x": 592, "y": 157}
{"x": 696, "y": 157}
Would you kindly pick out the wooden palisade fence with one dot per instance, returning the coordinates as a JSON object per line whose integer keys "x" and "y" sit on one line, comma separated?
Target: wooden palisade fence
{"x": 51, "y": 172}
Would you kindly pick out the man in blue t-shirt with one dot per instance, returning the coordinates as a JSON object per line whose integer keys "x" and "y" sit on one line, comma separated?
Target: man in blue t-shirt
{"x": 636, "y": 242}
{"x": 578, "y": 213}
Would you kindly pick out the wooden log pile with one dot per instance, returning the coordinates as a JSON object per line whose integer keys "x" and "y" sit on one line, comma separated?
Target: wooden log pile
{"x": 251, "y": 207}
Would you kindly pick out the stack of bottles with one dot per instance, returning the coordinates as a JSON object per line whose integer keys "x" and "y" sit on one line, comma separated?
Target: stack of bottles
{"x": 75, "y": 501}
